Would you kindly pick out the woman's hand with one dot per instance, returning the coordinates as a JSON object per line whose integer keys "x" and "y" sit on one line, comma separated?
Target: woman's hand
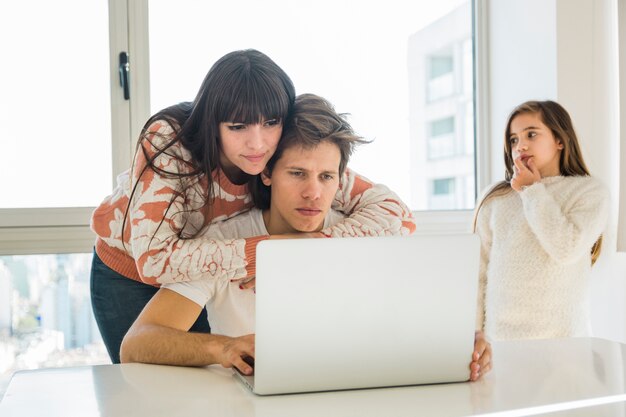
{"x": 481, "y": 358}
{"x": 252, "y": 282}
{"x": 525, "y": 174}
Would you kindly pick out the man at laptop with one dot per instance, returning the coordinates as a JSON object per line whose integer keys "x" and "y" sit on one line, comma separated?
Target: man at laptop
{"x": 293, "y": 195}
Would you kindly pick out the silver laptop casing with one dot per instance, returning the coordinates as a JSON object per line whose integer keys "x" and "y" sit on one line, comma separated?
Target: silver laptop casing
{"x": 348, "y": 313}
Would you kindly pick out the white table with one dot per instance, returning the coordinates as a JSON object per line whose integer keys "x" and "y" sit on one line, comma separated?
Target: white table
{"x": 557, "y": 378}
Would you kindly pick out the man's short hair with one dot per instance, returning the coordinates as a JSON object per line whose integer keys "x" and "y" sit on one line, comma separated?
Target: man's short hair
{"x": 314, "y": 121}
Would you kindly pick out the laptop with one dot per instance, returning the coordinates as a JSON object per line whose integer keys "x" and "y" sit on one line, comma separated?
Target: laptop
{"x": 351, "y": 313}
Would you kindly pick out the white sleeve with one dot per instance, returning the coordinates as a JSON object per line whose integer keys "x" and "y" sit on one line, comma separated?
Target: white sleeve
{"x": 568, "y": 231}
{"x": 483, "y": 229}
{"x": 200, "y": 292}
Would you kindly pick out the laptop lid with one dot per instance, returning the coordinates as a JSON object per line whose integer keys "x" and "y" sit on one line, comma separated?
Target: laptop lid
{"x": 351, "y": 313}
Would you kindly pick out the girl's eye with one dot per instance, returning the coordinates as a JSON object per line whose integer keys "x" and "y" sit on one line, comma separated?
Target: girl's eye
{"x": 532, "y": 134}
{"x": 513, "y": 141}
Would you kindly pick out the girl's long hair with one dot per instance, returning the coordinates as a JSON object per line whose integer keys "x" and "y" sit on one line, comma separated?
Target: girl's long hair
{"x": 571, "y": 162}
{"x": 243, "y": 86}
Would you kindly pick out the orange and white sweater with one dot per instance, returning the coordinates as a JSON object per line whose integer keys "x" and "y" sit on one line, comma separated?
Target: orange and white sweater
{"x": 151, "y": 249}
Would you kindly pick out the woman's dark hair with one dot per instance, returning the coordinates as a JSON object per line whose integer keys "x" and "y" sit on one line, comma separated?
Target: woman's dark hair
{"x": 314, "y": 121}
{"x": 243, "y": 86}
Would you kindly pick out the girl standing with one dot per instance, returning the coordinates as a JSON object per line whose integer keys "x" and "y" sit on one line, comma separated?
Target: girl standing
{"x": 191, "y": 169}
{"x": 540, "y": 230}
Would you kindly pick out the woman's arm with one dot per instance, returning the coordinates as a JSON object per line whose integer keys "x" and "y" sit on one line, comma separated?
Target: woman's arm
{"x": 372, "y": 209}
{"x": 161, "y": 215}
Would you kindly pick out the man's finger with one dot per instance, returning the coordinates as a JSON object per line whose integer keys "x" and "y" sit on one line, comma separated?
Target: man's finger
{"x": 240, "y": 364}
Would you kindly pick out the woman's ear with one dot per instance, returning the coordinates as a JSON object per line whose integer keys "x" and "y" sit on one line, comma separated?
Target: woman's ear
{"x": 265, "y": 177}
{"x": 559, "y": 144}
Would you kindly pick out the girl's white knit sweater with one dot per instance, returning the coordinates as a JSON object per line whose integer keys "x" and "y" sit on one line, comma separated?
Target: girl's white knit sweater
{"x": 535, "y": 258}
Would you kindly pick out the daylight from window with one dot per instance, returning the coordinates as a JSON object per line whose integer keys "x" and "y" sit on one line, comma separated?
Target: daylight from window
{"x": 45, "y": 313}
{"x": 55, "y": 103}
{"x": 403, "y": 73}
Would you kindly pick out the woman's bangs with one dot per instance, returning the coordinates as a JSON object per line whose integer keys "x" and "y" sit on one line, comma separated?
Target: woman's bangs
{"x": 255, "y": 101}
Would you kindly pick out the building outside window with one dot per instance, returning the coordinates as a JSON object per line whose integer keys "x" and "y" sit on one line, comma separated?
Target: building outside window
{"x": 442, "y": 113}
{"x": 442, "y": 138}
{"x": 441, "y": 81}
{"x": 442, "y": 193}
{"x": 45, "y": 314}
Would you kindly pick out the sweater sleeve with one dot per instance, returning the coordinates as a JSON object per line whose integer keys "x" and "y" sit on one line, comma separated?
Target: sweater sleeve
{"x": 160, "y": 213}
{"x": 567, "y": 231}
{"x": 483, "y": 229}
{"x": 372, "y": 210}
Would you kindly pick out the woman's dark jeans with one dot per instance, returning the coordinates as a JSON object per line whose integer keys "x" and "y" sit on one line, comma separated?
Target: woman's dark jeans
{"x": 117, "y": 302}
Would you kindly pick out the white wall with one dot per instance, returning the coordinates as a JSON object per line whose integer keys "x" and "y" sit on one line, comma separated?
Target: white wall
{"x": 566, "y": 50}
{"x": 522, "y": 63}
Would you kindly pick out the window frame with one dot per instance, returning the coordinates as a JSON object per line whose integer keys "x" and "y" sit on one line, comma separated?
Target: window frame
{"x": 26, "y": 231}
{"x": 29, "y": 231}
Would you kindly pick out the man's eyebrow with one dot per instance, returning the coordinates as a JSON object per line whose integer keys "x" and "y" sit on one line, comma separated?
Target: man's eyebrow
{"x": 326, "y": 171}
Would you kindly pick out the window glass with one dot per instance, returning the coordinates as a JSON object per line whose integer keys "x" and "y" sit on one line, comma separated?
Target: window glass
{"x": 442, "y": 141}
{"x": 440, "y": 65}
{"x": 394, "y": 69}
{"x": 54, "y": 103}
{"x": 46, "y": 318}
{"x": 442, "y": 127}
{"x": 443, "y": 193}
{"x": 443, "y": 186}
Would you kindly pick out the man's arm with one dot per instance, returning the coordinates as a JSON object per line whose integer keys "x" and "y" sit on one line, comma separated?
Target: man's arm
{"x": 159, "y": 335}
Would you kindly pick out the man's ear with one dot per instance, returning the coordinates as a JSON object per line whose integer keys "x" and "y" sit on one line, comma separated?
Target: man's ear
{"x": 265, "y": 177}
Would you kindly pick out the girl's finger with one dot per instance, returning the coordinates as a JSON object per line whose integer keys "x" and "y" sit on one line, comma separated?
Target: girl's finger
{"x": 531, "y": 165}
{"x": 519, "y": 165}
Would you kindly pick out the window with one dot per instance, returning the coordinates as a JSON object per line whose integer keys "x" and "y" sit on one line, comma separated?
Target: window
{"x": 55, "y": 103}
{"x": 68, "y": 130}
{"x": 380, "y": 77}
{"x": 441, "y": 127}
{"x": 442, "y": 120}
{"x": 65, "y": 132}
{"x": 45, "y": 313}
{"x": 443, "y": 186}
{"x": 443, "y": 193}
{"x": 441, "y": 138}
{"x": 440, "y": 66}
{"x": 65, "y": 126}
{"x": 441, "y": 77}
